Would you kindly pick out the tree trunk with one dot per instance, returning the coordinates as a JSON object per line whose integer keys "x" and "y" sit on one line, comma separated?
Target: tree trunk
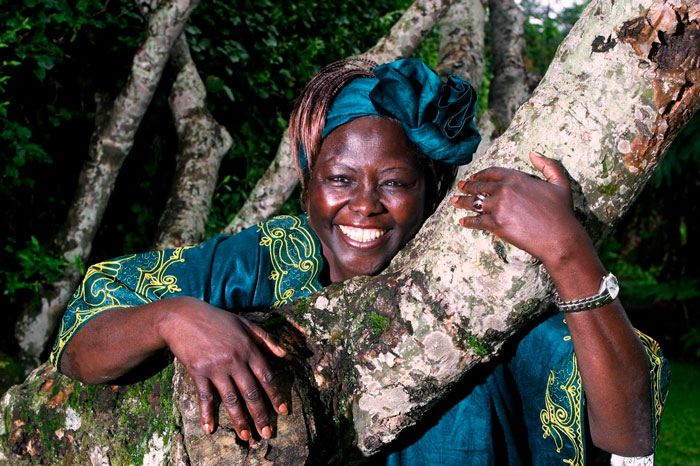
{"x": 279, "y": 181}
{"x": 202, "y": 145}
{"x": 110, "y": 144}
{"x": 509, "y": 86}
{"x": 462, "y": 42}
{"x": 374, "y": 352}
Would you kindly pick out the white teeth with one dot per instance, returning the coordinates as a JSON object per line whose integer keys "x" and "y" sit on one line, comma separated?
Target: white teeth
{"x": 361, "y": 235}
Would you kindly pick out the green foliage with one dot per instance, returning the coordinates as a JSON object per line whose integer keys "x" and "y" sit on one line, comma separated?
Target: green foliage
{"x": 678, "y": 437}
{"x": 11, "y": 372}
{"x": 36, "y": 263}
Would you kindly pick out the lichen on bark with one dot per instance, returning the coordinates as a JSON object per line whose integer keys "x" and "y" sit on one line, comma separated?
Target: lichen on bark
{"x": 51, "y": 419}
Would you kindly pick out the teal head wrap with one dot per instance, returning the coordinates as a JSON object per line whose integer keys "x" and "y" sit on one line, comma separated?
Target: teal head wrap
{"x": 438, "y": 117}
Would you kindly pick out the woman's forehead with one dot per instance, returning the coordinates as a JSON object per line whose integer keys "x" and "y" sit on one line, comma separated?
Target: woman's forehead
{"x": 371, "y": 133}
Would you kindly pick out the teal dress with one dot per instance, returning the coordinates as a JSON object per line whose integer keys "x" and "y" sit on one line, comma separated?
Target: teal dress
{"x": 527, "y": 408}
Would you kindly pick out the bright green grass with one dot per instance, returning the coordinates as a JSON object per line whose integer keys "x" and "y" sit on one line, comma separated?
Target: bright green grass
{"x": 679, "y": 443}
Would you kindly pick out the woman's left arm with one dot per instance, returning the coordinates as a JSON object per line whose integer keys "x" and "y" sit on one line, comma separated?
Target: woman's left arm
{"x": 537, "y": 216}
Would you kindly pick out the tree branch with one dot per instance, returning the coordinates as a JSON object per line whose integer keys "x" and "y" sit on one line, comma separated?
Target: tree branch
{"x": 109, "y": 146}
{"x": 462, "y": 42}
{"x": 202, "y": 145}
{"x": 509, "y": 85}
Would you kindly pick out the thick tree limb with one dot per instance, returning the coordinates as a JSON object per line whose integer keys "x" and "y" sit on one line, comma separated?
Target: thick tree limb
{"x": 509, "y": 86}
{"x": 409, "y": 31}
{"x": 462, "y": 42}
{"x": 111, "y": 142}
{"x": 622, "y": 85}
{"x": 202, "y": 145}
{"x": 279, "y": 181}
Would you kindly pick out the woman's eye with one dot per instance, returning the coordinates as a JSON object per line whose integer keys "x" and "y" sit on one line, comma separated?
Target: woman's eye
{"x": 338, "y": 179}
{"x": 396, "y": 184}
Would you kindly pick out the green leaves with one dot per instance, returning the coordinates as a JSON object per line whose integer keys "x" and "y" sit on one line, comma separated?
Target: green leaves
{"x": 36, "y": 264}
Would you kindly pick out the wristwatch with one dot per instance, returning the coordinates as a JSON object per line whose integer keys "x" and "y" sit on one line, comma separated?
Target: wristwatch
{"x": 608, "y": 291}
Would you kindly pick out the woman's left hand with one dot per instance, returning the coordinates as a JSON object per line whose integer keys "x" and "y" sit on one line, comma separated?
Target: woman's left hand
{"x": 531, "y": 214}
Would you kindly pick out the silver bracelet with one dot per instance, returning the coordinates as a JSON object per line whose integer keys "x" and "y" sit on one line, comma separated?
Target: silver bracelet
{"x": 608, "y": 291}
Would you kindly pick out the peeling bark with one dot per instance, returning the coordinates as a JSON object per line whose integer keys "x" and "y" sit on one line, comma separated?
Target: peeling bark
{"x": 110, "y": 144}
{"x": 279, "y": 181}
{"x": 509, "y": 86}
{"x": 462, "y": 42}
{"x": 443, "y": 306}
{"x": 202, "y": 145}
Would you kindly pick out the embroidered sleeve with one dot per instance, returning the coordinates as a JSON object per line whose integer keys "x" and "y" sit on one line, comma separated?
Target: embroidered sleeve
{"x": 294, "y": 255}
{"x": 124, "y": 282}
{"x": 547, "y": 377}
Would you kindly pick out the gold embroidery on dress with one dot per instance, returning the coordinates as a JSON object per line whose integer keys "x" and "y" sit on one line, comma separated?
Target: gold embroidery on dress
{"x": 295, "y": 261}
{"x": 561, "y": 418}
{"x": 155, "y": 281}
{"x": 657, "y": 383}
{"x": 100, "y": 289}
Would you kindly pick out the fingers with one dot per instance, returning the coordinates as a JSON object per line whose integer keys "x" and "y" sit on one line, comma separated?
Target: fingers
{"x": 254, "y": 400}
{"x": 270, "y": 385}
{"x": 206, "y": 403}
{"x": 262, "y": 372}
{"x": 474, "y": 187}
{"x": 263, "y": 338}
{"x": 478, "y": 222}
{"x": 490, "y": 174}
{"x": 550, "y": 168}
{"x": 234, "y": 406}
{"x": 475, "y": 203}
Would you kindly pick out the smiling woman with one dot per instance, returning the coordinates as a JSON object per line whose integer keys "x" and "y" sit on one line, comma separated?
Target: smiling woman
{"x": 376, "y": 149}
{"x": 366, "y": 196}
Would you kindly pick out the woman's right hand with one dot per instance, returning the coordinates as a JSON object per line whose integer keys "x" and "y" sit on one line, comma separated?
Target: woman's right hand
{"x": 222, "y": 351}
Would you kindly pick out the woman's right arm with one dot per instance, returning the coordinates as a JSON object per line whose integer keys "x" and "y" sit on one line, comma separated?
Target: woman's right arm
{"x": 219, "y": 349}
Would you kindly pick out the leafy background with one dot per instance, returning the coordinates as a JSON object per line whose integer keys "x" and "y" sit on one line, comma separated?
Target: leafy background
{"x": 56, "y": 57}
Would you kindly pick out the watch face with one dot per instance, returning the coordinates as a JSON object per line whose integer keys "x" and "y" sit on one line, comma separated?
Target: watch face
{"x": 611, "y": 285}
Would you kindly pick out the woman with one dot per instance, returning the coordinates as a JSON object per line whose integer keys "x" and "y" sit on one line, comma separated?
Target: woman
{"x": 376, "y": 148}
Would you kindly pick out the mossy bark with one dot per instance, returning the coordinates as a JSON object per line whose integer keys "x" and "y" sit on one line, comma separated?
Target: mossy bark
{"x": 51, "y": 419}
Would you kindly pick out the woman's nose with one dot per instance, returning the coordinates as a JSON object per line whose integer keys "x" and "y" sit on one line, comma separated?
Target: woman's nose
{"x": 365, "y": 201}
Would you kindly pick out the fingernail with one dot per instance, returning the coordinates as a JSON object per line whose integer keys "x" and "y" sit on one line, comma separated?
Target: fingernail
{"x": 282, "y": 408}
{"x": 454, "y": 199}
{"x": 472, "y": 176}
{"x": 266, "y": 432}
{"x": 207, "y": 428}
{"x": 461, "y": 184}
{"x": 245, "y": 435}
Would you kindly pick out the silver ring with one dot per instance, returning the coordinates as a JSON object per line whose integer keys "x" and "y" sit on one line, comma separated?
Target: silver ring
{"x": 478, "y": 204}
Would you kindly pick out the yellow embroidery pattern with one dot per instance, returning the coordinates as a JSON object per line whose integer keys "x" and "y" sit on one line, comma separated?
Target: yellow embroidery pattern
{"x": 659, "y": 377}
{"x": 294, "y": 256}
{"x": 561, "y": 419}
{"x": 124, "y": 282}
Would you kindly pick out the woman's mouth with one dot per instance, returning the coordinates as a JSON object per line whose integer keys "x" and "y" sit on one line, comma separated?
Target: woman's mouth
{"x": 362, "y": 235}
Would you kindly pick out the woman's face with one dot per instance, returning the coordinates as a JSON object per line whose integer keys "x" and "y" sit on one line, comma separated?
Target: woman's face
{"x": 366, "y": 196}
